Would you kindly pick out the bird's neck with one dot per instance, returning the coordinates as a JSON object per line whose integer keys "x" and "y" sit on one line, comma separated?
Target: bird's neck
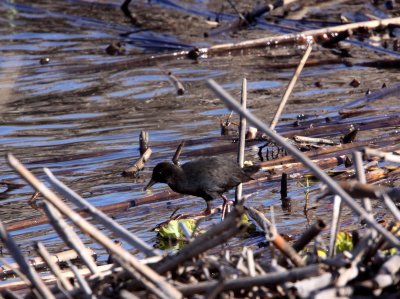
{"x": 177, "y": 180}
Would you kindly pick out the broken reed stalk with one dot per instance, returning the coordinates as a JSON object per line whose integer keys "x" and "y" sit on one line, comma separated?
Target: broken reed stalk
{"x": 242, "y": 139}
{"x": 105, "y": 271}
{"x": 389, "y": 157}
{"x": 180, "y": 89}
{"x": 159, "y": 282}
{"x": 33, "y": 198}
{"x": 306, "y": 139}
{"x": 321, "y": 175}
{"x": 217, "y": 234}
{"x": 290, "y": 167}
{"x": 24, "y": 267}
{"x": 239, "y": 283}
{"x": 14, "y": 268}
{"x": 139, "y": 164}
{"x": 360, "y": 190}
{"x": 69, "y": 236}
{"x": 391, "y": 206}
{"x": 276, "y": 239}
{"x": 284, "y": 189}
{"x": 55, "y": 269}
{"x": 38, "y": 263}
{"x": 109, "y": 223}
{"x": 143, "y": 142}
{"x": 358, "y": 253}
{"x": 309, "y": 235}
{"x": 250, "y": 262}
{"x": 178, "y": 152}
{"x": 387, "y": 274}
{"x": 138, "y": 282}
{"x": 83, "y": 284}
{"x": 337, "y": 207}
{"x": 290, "y": 87}
{"x": 360, "y": 174}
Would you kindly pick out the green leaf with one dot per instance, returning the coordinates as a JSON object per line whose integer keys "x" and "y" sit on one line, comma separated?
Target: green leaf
{"x": 251, "y": 227}
{"x": 321, "y": 253}
{"x": 173, "y": 231}
{"x": 344, "y": 241}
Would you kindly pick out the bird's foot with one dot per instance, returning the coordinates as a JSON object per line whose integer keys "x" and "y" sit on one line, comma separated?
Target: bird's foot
{"x": 195, "y": 216}
{"x": 226, "y": 208}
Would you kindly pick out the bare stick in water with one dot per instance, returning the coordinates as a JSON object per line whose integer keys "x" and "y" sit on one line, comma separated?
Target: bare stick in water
{"x": 242, "y": 138}
{"x": 178, "y": 152}
{"x": 290, "y": 87}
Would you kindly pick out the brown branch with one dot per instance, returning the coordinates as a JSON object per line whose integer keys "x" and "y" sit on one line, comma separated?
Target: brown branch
{"x": 139, "y": 164}
{"x": 273, "y": 279}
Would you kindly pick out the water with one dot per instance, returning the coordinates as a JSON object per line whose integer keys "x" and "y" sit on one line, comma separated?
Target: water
{"x": 83, "y": 122}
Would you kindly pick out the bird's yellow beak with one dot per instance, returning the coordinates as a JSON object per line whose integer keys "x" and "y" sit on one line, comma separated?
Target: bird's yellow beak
{"x": 151, "y": 183}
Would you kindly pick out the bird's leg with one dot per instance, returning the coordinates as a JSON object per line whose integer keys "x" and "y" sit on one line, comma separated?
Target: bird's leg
{"x": 224, "y": 206}
{"x": 206, "y": 212}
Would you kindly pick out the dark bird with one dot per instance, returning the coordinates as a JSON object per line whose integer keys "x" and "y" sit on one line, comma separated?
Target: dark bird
{"x": 205, "y": 177}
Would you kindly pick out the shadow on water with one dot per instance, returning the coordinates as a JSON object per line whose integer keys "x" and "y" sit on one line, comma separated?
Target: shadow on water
{"x": 84, "y": 125}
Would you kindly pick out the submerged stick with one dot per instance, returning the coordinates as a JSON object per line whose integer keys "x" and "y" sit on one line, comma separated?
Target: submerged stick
{"x": 25, "y": 268}
{"x": 242, "y": 139}
{"x": 145, "y": 271}
{"x": 290, "y": 87}
{"x": 321, "y": 175}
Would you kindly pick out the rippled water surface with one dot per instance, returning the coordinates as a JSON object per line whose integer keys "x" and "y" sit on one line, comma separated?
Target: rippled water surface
{"x": 81, "y": 114}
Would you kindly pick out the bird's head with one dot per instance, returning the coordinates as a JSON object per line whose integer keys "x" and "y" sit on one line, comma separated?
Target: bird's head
{"x": 162, "y": 173}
